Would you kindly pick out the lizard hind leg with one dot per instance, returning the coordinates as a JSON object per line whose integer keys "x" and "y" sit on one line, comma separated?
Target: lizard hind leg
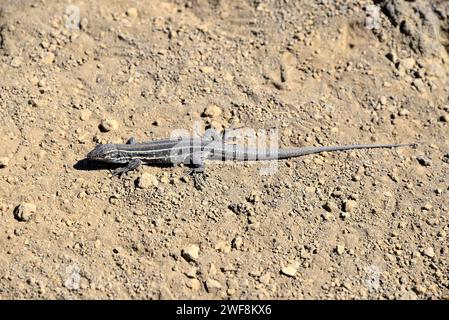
{"x": 197, "y": 170}
{"x": 199, "y": 178}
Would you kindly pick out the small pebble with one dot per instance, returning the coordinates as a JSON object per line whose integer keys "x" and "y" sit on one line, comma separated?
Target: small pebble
{"x": 445, "y": 158}
{"x": 117, "y": 249}
{"x": 345, "y": 215}
{"x": 16, "y": 62}
{"x": 327, "y": 216}
{"x": 237, "y": 242}
{"x": 290, "y": 270}
{"x": 212, "y": 285}
{"x": 165, "y": 179}
{"x": 419, "y": 85}
{"x": 191, "y": 273}
{"x": 349, "y": 205}
{"x": 212, "y": 112}
{"x": 223, "y": 246}
{"x": 228, "y": 77}
{"x": 420, "y": 289}
{"x": 4, "y": 161}
{"x": 230, "y": 291}
{"x": 158, "y": 122}
{"x": 85, "y": 115}
{"x": 25, "y": 211}
{"x": 132, "y": 12}
{"x": 48, "y": 58}
{"x": 38, "y": 103}
{"x": 193, "y": 284}
{"x": 190, "y": 253}
{"x": 407, "y": 63}
{"x": 340, "y": 249}
{"x": 310, "y": 189}
{"x": 254, "y": 198}
{"x": 330, "y": 207}
{"x": 265, "y": 279}
{"x": 444, "y": 118}
{"x": 108, "y": 125}
{"x": 84, "y": 23}
{"x": 42, "y": 83}
{"x": 429, "y": 252}
{"x": 392, "y": 56}
{"x": 424, "y": 161}
{"x": 388, "y": 194}
{"x": 147, "y": 180}
{"x": 347, "y": 284}
{"x": 207, "y": 70}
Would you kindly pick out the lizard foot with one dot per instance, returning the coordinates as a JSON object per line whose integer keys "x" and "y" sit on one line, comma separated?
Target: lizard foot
{"x": 199, "y": 178}
{"x": 199, "y": 181}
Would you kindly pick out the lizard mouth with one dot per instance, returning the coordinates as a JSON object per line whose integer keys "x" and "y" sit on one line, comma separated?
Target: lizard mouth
{"x": 93, "y": 155}
{"x": 90, "y": 156}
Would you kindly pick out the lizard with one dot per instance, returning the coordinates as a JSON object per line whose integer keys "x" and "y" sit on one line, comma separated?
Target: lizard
{"x": 194, "y": 152}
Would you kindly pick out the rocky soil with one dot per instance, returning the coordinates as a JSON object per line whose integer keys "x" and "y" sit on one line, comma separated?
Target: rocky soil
{"x": 347, "y": 225}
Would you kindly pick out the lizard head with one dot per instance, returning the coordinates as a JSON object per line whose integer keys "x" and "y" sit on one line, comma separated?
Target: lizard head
{"x": 104, "y": 153}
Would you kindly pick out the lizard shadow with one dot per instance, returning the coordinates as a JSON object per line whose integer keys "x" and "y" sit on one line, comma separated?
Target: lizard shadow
{"x": 91, "y": 165}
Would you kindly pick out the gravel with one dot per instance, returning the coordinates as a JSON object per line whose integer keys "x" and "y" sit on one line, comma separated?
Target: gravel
{"x": 290, "y": 270}
{"x": 48, "y": 58}
{"x": 4, "y": 161}
{"x": 147, "y": 180}
{"x": 349, "y": 205}
{"x": 340, "y": 249}
{"x": 424, "y": 161}
{"x": 212, "y": 111}
{"x": 132, "y": 12}
{"x": 212, "y": 286}
{"x": 237, "y": 243}
{"x": 16, "y": 62}
{"x": 25, "y": 211}
{"x": 429, "y": 252}
{"x": 108, "y": 124}
{"x": 190, "y": 253}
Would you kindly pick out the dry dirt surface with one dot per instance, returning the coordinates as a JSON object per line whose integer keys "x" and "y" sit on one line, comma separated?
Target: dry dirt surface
{"x": 345, "y": 225}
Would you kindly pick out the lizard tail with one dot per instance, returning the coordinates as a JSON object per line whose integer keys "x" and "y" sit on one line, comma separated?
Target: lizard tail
{"x": 297, "y": 152}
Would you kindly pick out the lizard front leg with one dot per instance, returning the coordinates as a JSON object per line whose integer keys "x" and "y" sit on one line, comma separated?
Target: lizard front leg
{"x": 132, "y": 165}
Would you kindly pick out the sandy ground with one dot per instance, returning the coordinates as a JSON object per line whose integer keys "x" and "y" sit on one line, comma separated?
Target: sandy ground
{"x": 347, "y": 225}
